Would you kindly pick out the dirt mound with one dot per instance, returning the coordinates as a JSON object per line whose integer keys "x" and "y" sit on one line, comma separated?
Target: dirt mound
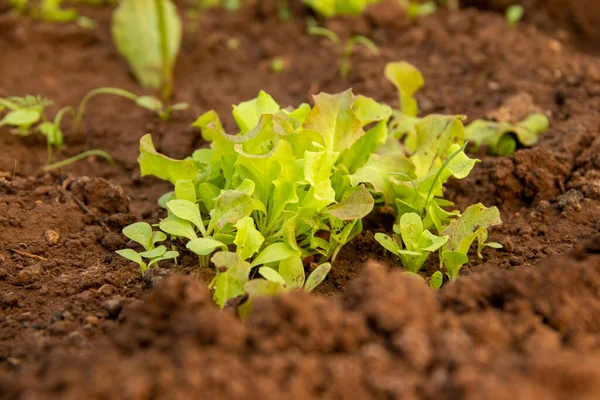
{"x": 521, "y": 335}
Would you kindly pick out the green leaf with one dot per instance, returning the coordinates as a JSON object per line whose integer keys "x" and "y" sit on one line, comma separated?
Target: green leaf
{"x": 292, "y": 272}
{"x": 205, "y": 246}
{"x": 53, "y": 134}
{"x": 378, "y": 170}
{"x": 178, "y": 227}
{"x": 232, "y": 275}
{"x": 140, "y": 232}
{"x": 471, "y": 225}
{"x": 169, "y": 255}
{"x": 463, "y": 231}
{"x": 157, "y": 252}
{"x": 248, "y": 113}
{"x": 317, "y": 277}
{"x": 133, "y": 255}
{"x": 408, "y": 80}
{"x": 271, "y": 275}
{"x": 188, "y": 211}
{"x": 158, "y": 236}
{"x": 357, "y": 204}
{"x": 411, "y": 228}
{"x": 514, "y": 14}
{"x": 230, "y": 207}
{"x": 248, "y": 239}
{"x": 153, "y": 163}
{"x": 434, "y": 135}
{"x": 318, "y": 168}
{"x": 264, "y": 288}
{"x": 388, "y": 243}
{"x": 273, "y": 253}
{"x": 185, "y": 190}
{"x": 436, "y": 280}
{"x": 21, "y": 118}
{"x": 368, "y": 110}
{"x": 136, "y": 33}
{"x": 453, "y": 261}
{"x": 501, "y": 137}
{"x": 150, "y": 103}
{"x": 335, "y": 121}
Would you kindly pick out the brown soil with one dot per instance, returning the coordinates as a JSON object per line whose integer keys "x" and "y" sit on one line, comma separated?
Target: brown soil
{"x": 71, "y": 320}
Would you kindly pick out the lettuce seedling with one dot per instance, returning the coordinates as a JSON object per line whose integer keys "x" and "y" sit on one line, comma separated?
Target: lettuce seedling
{"x": 141, "y": 232}
{"x": 26, "y": 114}
{"x": 411, "y": 173}
{"x": 148, "y": 34}
{"x": 415, "y": 9}
{"x": 514, "y": 14}
{"x": 148, "y": 102}
{"x": 461, "y": 232}
{"x": 503, "y": 138}
{"x": 344, "y": 49}
{"x": 332, "y": 8}
{"x": 418, "y": 242}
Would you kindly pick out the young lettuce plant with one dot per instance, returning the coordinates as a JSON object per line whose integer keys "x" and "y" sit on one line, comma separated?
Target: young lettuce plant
{"x": 503, "y": 138}
{"x": 418, "y": 242}
{"x": 148, "y": 102}
{"x": 142, "y": 233}
{"x": 461, "y": 232}
{"x": 148, "y": 34}
{"x": 428, "y": 151}
{"x": 280, "y": 189}
{"x": 26, "y": 115}
{"x": 344, "y": 49}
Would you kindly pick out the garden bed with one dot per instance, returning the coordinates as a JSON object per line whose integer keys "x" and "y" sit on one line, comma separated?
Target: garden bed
{"x": 520, "y": 324}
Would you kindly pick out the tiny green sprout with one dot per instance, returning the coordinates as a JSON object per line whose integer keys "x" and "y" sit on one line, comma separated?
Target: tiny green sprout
{"x": 416, "y": 9}
{"x": 86, "y": 23}
{"x": 283, "y": 10}
{"x": 148, "y": 102}
{"x": 436, "y": 280}
{"x": 514, "y": 14}
{"x": 346, "y": 49}
{"x": 277, "y": 65}
{"x": 141, "y": 233}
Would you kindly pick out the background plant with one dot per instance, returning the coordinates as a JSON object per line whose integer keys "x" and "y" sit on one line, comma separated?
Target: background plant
{"x": 344, "y": 49}
{"x": 148, "y": 34}
{"x": 26, "y": 115}
{"x": 148, "y": 102}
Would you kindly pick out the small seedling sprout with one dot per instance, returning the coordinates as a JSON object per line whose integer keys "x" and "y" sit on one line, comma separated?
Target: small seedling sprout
{"x": 514, "y": 14}
{"x": 346, "y": 49}
{"x": 148, "y": 102}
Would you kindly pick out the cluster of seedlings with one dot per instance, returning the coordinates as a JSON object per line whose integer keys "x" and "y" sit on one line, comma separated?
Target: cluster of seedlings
{"x": 291, "y": 188}
{"x": 284, "y": 194}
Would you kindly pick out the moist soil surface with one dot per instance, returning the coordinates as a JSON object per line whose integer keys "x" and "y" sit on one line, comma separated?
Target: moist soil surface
{"x": 77, "y": 321}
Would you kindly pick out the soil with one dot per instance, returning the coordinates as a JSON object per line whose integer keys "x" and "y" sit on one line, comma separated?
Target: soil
{"x": 521, "y": 323}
